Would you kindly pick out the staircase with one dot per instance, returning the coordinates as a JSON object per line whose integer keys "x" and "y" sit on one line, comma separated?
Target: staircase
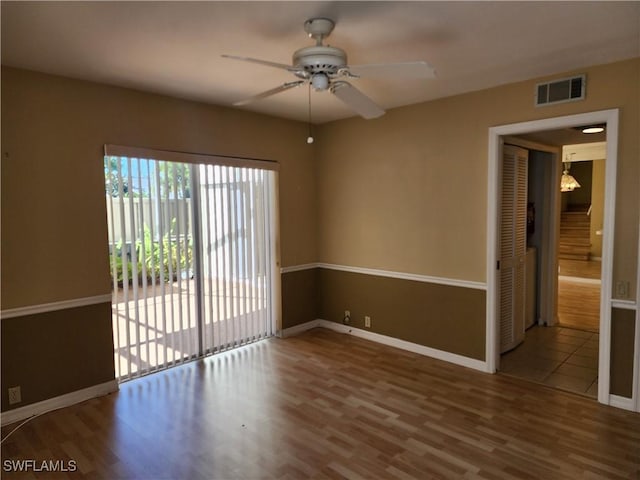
{"x": 575, "y": 233}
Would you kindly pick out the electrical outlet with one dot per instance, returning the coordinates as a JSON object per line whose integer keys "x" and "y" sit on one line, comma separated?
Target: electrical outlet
{"x": 622, "y": 289}
{"x": 14, "y": 395}
{"x": 347, "y": 317}
{"x": 367, "y": 322}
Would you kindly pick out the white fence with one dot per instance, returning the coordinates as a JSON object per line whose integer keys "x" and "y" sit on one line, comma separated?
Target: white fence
{"x": 125, "y": 212}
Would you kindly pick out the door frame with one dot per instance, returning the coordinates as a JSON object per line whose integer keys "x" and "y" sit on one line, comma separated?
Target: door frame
{"x": 610, "y": 117}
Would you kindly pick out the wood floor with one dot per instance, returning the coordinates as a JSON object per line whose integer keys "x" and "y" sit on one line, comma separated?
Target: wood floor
{"x": 579, "y": 305}
{"x": 324, "y": 405}
{"x": 579, "y": 268}
{"x": 579, "y": 295}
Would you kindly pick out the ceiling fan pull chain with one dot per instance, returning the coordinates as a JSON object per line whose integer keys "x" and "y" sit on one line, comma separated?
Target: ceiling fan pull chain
{"x": 310, "y": 137}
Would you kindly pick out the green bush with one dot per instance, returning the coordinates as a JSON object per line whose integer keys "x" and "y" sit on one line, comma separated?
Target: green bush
{"x": 158, "y": 259}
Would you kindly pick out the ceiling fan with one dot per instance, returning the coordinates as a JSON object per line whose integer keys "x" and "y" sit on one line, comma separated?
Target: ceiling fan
{"x": 325, "y": 68}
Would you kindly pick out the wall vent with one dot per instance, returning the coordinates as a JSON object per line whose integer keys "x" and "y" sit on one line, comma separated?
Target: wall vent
{"x": 560, "y": 91}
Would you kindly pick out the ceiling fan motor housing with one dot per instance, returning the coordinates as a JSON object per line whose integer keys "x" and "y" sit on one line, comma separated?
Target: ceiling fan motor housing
{"x": 319, "y": 59}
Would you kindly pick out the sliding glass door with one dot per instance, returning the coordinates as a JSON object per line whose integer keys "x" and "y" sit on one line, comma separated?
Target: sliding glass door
{"x": 235, "y": 257}
{"x": 191, "y": 255}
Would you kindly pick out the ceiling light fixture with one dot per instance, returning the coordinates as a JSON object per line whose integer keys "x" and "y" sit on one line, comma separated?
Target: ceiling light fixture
{"x": 567, "y": 182}
{"x": 593, "y": 129}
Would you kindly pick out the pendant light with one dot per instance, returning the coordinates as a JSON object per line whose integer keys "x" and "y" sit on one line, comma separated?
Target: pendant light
{"x": 567, "y": 182}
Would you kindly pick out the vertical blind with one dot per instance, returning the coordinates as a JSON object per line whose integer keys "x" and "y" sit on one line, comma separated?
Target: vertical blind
{"x": 192, "y": 256}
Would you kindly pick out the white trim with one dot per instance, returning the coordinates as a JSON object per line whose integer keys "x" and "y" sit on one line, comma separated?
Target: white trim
{"x": 636, "y": 345}
{"x": 454, "y": 282}
{"x": 188, "y": 157}
{"x": 53, "y": 306}
{"x": 390, "y": 341}
{"x": 608, "y": 229}
{"x": 620, "y": 402}
{"x": 634, "y": 402}
{"x": 496, "y": 134}
{"x": 298, "y": 329}
{"x": 635, "y": 390}
{"x": 61, "y": 401}
{"x": 584, "y": 152}
{"x": 274, "y": 231}
{"x": 623, "y": 304}
{"x": 299, "y": 268}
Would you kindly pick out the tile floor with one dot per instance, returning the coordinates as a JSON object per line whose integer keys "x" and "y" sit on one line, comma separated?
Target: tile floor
{"x": 559, "y": 357}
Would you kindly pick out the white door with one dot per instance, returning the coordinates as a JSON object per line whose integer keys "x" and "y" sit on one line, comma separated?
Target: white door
{"x": 513, "y": 246}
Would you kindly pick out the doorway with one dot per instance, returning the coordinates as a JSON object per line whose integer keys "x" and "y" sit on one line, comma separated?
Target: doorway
{"x": 561, "y": 350}
{"x": 496, "y": 141}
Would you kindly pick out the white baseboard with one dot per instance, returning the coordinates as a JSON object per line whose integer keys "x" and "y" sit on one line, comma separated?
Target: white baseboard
{"x": 298, "y": 329}
{"x": 55, "y": 403}
{"x": 621, "y": 402}
{"x": 390, "y": 341}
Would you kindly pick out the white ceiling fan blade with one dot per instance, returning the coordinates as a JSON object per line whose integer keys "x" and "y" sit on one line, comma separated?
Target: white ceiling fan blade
{"x": 268, "y": 93}
{"x": 403, "y": 69}
{"x": 262, "y": 62}
{"x": 356, "y": 100}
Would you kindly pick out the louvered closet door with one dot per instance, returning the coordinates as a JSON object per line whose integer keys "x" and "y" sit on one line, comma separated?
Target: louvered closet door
{"x": 513, "y": 246}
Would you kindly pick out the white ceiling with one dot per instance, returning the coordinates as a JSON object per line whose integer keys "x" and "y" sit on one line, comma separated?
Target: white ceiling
{"x": 175, "y": 48}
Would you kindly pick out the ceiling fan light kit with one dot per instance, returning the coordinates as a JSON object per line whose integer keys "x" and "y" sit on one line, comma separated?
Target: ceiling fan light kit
{"x": 320, "y": 82}
{"x": 325, "y": 68}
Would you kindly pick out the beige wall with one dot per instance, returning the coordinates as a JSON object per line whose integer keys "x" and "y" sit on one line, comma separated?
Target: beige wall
{"x": 408, "y": 191}
{"x": 53, "y": 131}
